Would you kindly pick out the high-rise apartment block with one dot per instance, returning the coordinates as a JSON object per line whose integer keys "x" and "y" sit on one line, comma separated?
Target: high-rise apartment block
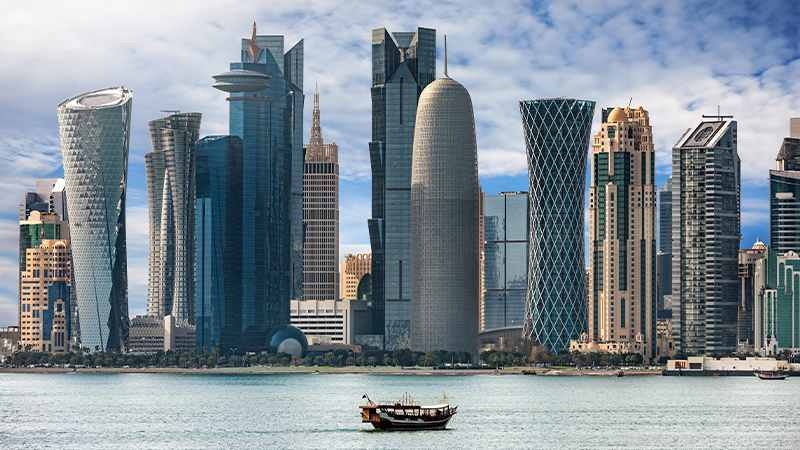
{"x": 664, "y": 248}
{"x": 94, "y": 132}
{"x": 266, "y": 110}
{"x": 784, "y": 197}
{"x": 403, "y": 63}
{"x": 557, "y": 135}
{"x": 622, "y": 238}
{"x": 354, "y": 268}
{"x": 705, "y": 238}
{"x": 170, "y": 173}
{"x": 505, "y": 260}
{"x": 320, "y": 215}
{"x": 45, "y": 314}
{"x": 749, "y": 278}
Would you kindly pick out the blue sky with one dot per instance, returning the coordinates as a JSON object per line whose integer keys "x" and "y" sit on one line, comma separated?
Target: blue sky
{"x": 677, "y": 59}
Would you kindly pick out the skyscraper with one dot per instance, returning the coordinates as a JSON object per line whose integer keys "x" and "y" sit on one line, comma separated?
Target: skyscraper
{"x": 403, "y": 63}
{"x": 664, "y": 245}
{"x": 218, "y": 242}
{"x": 444, "y": 221}
{"x": 776, "y": 308}
{"x": 170, "y": 194}
{"x": 705, "y": 238}
{"x": 45, "y": 297}
{"x": 557, "y": 141}
{"x": 266, "y": 110}
{"x": 784, "y": 198}
{"x": 505, "y": 261}
{"x": 622, "y": 234}
{"x": 94, "y": 130}
{"x": 748, "y": 282}
{"x": 50, "y": 196}
{"x": 320, "y": 215}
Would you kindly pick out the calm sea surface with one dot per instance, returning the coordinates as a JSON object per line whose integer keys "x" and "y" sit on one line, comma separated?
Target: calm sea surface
{"x": 320, "y": 411}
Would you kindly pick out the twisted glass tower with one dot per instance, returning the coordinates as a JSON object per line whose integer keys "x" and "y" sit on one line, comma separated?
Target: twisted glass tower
{"x": 170, "y": 194}
{"x": 94, "y": 130}
{"x": 557, "y": 141}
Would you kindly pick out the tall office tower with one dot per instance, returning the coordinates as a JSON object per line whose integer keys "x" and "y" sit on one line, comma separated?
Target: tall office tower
{"x": 320, "y": 215}
{"x": 794, "y": 127}
{"x": 664, "y": 246}
{"x": 170, "y": 195}
{"x": 622, "y": 233}
{"x": 94, "y": 130}
{"x": 45, "y": 298}
{"x": 747, "y": 293}
{"x": 705, "y": 238}
{"x": 218, "y": 242}
{"x": 403, "y": 63}
{"x": 784, "y": 198}
{"x": 354, "y": 268}
{"x": 505, "y": 260}
{"x": 444, "y": 221}
{"x": 266, "y": 111}
{"x": 557, "y": 141}
{"x": 50, "y": 196}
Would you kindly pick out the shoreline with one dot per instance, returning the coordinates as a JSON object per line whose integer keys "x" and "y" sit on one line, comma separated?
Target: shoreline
{"x": 353, "y": 370}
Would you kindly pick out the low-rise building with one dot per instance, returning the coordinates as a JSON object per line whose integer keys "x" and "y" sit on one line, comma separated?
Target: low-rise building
{"x": 9, "y": 341}
{"x": 330, "y": 321}
{"x": 699, "y": 365}
{"x": 151, "y": 334}
{"x": 622, "y": 347}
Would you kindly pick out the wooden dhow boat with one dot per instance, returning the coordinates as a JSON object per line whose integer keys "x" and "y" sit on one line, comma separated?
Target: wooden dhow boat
{"x": 407, "y": 415}
{"x": 771, "y": 374}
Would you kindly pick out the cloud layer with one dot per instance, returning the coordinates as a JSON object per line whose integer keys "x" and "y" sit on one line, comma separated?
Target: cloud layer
{"x": 677, "y": 59}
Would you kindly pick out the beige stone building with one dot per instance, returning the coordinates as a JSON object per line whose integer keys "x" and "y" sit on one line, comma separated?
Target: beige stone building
{"x": 621, "y": 279}
{"x": 45, "y": 305}
{"x": 354, "y": 267}
{"x": 320, "y": 214}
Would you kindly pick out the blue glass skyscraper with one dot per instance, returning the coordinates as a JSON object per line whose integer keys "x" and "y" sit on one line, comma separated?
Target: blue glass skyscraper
{"x": 266, "y": 110}
{"x": 218, "y": 242}
{"x": 505, "y": 260}
{"x": 403, "y": 63}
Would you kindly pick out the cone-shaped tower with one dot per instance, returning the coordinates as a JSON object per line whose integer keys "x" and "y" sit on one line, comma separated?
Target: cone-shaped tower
{"x": 444, "y": 218}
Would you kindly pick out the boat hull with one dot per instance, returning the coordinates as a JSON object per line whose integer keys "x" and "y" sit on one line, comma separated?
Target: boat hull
{"x": 395, "y": 424}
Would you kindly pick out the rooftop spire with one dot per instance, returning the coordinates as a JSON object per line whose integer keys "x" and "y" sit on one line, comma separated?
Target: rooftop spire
{"x": 315, "y": 139}
{"x": 252, "y": 47}
{"x": 445, "y": 56}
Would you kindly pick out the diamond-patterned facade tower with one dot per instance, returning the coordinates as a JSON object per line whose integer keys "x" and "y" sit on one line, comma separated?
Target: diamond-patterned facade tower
{"x": 170, "y": 184}
{"x": 94, "y": 130}
{"x": 557, "y": 142}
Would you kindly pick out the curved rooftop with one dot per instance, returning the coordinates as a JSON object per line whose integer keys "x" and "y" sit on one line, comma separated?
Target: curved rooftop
{"x": 103, "y": 98}
{"x": 241, "y": 80}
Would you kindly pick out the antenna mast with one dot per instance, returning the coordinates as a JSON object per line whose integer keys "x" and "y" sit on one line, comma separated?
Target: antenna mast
{"x": 445, "y": 56}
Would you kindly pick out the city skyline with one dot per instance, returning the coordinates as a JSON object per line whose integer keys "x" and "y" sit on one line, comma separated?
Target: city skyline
{"x": 744, "y": 88}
